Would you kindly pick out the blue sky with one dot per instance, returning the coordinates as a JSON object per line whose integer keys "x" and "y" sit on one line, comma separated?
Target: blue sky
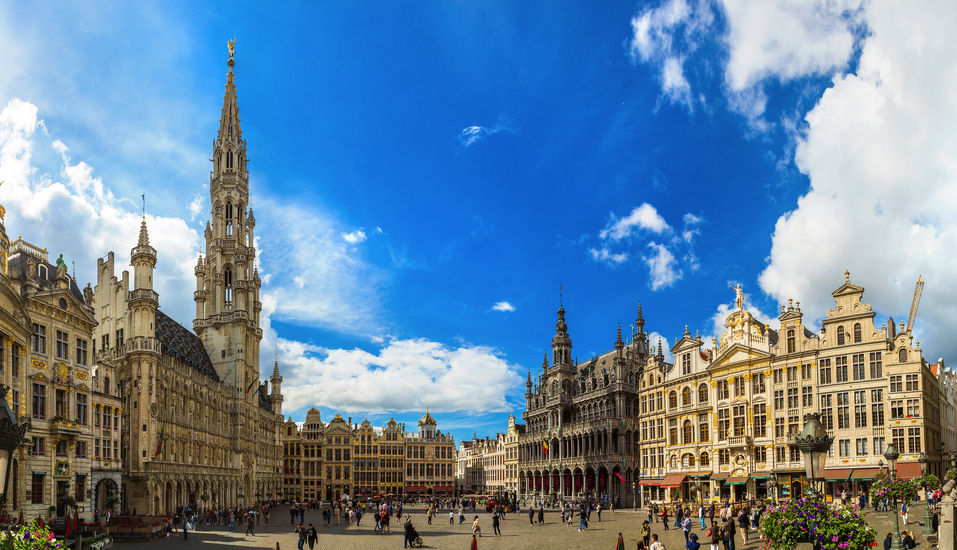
{"x": 426, "y": 176}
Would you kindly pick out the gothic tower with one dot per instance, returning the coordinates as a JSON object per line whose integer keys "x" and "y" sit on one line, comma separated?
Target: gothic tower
{"x": 561, "y": 342}
{"x": 227, "y": 283}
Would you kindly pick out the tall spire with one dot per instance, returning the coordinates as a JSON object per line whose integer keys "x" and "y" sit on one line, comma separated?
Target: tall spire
{"x": 619, "y": 345}
{"x": 144, "y": 235}
{"x": 229, "y": 121}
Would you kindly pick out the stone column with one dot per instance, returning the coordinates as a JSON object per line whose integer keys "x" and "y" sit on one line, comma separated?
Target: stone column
{"x": 945, "y": 535}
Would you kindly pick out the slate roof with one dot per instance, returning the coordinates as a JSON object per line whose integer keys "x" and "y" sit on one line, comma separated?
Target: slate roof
{"x": 17, "y": 269}
{"x": 182, "y": 344}
{"x": 264, "y": 401}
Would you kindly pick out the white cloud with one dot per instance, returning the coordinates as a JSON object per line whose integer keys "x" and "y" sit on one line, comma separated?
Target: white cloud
{"x": 354, "y": 238}
{"x": 642, "y": 217}
{"x": 66, "y": 208}
{"x": 879, "y": 151}
{"x": 764, "y": 39}
{"x": 404, "y": 375}
{"x": 662, "y": 268}
{"x": 654, "y": 41}
{"x": 503, "y": 306}
{"x": 604, "y": 255}
{"x": 474, "y": 134}
{"x": 659, "y": 257}
{"x": 197, "y": 206}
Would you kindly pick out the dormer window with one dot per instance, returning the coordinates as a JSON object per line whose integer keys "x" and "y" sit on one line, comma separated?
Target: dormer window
{"x": 791, "y": 340}
{"x": 42, "y": 271}
{"x": 62, "y": 303}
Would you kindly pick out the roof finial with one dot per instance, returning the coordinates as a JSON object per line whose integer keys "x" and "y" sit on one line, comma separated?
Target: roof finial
{"x": 847, "y": 276}
{"x": 144, "y": 205}
{"x": 560, "y": 289}
{"x": 231, "y": 44}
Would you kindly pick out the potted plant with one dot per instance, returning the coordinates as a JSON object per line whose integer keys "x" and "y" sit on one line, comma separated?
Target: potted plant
{"x": 28, "y": 537}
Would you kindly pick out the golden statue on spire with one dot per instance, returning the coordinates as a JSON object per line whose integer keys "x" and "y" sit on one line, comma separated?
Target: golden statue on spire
{"x": 231, "y": 44}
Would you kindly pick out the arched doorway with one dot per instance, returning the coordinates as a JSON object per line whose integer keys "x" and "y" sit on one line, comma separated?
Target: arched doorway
{"x": 168, "y": 498}
{"x": 104, "y": 491}
{"x": 796, "y": 491}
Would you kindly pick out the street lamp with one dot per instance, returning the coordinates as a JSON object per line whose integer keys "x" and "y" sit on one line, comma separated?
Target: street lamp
{"x": 928, "y": 517}
{"x": 814, "y": 444}
{"x": 772, "y": 485}
{"x": 11, "y": 435}
{"x": 891, "y": 455}
{"x": 634, "y": 497}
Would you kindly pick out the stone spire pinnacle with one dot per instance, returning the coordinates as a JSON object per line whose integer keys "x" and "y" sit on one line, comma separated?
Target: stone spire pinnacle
{"x": 618, "y": 343}
{"x": 144, "y": 234}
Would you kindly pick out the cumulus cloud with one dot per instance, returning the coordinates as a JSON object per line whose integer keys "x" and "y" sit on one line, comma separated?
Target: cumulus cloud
{"x": 716, "y": 326}
{"x": 764, "y": 39}
{"x": 503, "y": 306}
{"x": 474, "y": 134}
{"x": 66, "y": 208}
{"x": 662, "y": 266}
{"x": 403, "y": 375}
{"x": 663, "y": 37}
{"x": 661, "y": 255}
{"x": 879, "y": 152}
{"x": 355, "y": 237}
{"x": 643, "y": 217}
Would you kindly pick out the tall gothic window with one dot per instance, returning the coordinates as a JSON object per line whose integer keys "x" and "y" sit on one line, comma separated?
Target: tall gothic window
{"x": 229, "y": 159}
{"x": 857, "y": 333}
{"x": 840, "y": 336}
{"x": 791, "y": 340}
{"x": 229, "y": 219}
{"x": 228, "y": 283}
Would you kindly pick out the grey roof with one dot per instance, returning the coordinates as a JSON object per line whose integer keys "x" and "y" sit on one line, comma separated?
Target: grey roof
{"x": 17, "y": 269}
{"x": 264, "y": 401}
{"x": 183, "y": 344}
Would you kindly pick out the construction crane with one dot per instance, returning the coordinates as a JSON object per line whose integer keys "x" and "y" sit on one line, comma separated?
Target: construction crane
{"x": 913, "y": 306}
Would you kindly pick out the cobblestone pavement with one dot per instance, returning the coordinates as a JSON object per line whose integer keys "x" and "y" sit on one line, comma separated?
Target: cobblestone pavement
{"x": 517, "y": 534}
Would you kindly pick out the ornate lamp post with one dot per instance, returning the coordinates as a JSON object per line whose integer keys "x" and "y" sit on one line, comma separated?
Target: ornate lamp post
{"x": 928, "y": 516}
{"x": 11, "y": 435}
{"x": 814, "y": 444}
{"x": 772, "y": 486}
{"x": 891, "y": 455}
{"x": 634, "y": 497}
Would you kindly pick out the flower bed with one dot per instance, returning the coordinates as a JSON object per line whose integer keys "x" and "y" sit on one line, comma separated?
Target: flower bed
{"x": 28, "y": 537}
{"x": 832, "y": 526}
{"x": 889, "y": 487}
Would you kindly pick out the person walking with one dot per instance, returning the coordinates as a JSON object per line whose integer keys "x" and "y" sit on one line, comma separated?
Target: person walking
{"x": 311, "y": 536}
{"x": 451, "y": 517}
{"x": 664, "y": 517}
{"x": 598, "y": 509}
{"x": 541, "y": 514}
{"x": 686, "y": 527}
{"x": 250, "y": 525}
{"x": 646, "y": 534}
{"x": 715, "y": 535}
{"x": 904, "y": 510}
{"x": 302, "y": 536}
{"x": 654, "y": 512}
{"x": 727, "y": 537}
{"x": 583, "y": 518}
{"x": 495, "y": 526}
{"x": 701, "y": 515}
{"x": 476, "y": 528}
{"x": 744, "y": 524}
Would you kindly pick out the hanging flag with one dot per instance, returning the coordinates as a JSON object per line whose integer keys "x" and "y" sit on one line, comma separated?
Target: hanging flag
{"x": 545, "y": 447}
{"x": 251, "y": 385}
{"x": 286, "y": 466}
{"x": 76, "y": 522}
{"x": 159, "y": 445}
{"x": 621, "y": 479}
{"x": 257, "y": 390}
{"x": 69, "y": 525}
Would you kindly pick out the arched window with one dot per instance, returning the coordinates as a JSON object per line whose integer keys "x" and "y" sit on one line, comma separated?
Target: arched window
{"x": 902, "y": 355}
{"x": 686, "y": 396}
{"x": 42, "y": 271}
{"x": 229, "y": 219}
{"x": 857, "y": 333}
{"x": 703, "y": 393}
{"x": 840, "y": 336}
{"x": 705, "y": 460}
{"x": 673, "y": 399}
{"x": 791, "y": 346}
{"x": 229, "y": 159}
{"x": 228, "y": 284}
{"x": 687, "y": 433}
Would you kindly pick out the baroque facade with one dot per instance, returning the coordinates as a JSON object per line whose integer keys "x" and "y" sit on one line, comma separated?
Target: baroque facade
{"x": 194, "y": 429}
{"x": 340, "y": 459}
{"x": 719, "y": 422}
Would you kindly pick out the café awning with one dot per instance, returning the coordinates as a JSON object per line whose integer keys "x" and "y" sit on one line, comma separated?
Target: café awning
{"x": 864, "y": 474}
{"x": 837, "y": 474}
{"x": 743, "y": 480}
{"x": 673, "y": 480}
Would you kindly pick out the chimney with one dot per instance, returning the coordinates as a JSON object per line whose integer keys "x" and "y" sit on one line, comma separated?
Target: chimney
{"x": 350, "y": 420}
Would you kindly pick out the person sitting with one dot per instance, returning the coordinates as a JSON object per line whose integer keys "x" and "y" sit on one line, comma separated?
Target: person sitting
{"x": 908, "y": 541}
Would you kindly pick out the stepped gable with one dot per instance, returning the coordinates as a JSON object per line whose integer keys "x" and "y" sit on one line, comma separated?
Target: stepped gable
{"x": 181, "y": 344}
